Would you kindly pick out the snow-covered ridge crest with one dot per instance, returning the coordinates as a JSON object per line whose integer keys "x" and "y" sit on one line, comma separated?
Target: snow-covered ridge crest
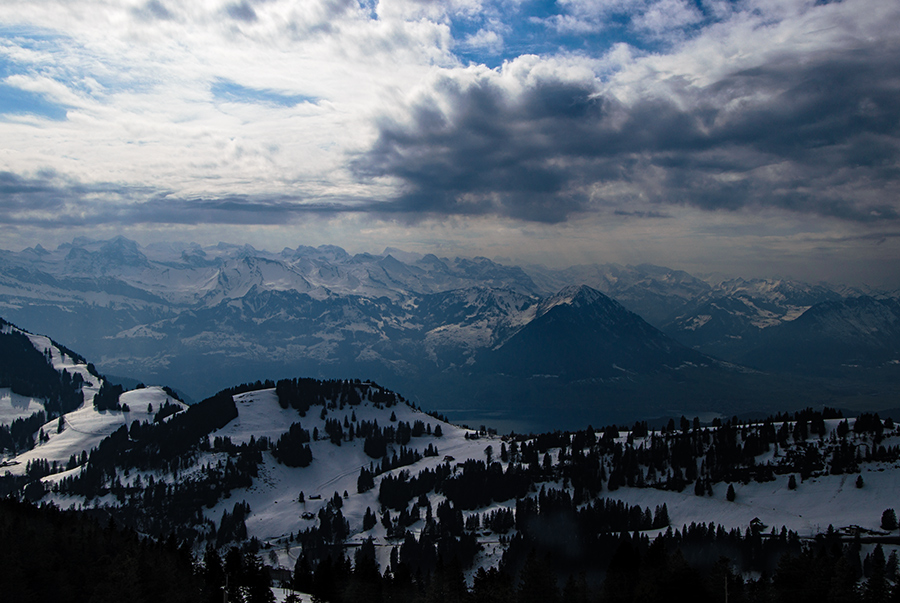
{"x": 190, "y": 274}
{"x": 60, "y": 359}
{"x": 81, "y": 429}
{"x": 577, "y": 296}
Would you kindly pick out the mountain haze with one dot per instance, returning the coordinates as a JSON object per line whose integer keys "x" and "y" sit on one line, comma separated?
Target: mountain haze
{"x": 448, "y": 331}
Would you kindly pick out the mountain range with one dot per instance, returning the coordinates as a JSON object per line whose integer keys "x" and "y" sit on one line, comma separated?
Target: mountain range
{"x": 468, "y": 336}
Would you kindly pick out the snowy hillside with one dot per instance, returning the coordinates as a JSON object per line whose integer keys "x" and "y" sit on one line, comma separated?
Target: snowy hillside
{"x": 818, "y": 501}
{"x": 84, "y": 428}
{"x": 13, "y": 406}
{"x": 67, "y": 432}
{"x": 801, "y": 481}
{"x": 308, "y": 473}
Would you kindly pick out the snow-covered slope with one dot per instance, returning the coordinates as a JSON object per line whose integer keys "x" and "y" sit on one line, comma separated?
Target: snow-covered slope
{"x": 78, "y": 430}
{"x": 83, "y": 429}
{"x": 335, "y": 469}
{"x": 276, "y": 513}
{"x": 809, "y": 510}
{"x": 13, "y": 406}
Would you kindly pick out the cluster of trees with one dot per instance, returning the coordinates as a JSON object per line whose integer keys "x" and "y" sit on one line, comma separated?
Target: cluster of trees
{"x": 675, "y": 458}
{"x": 115, "y": 564}
{"x": 158, "y": 446}
{"x": 240, "y": 577}
{"x": 700, "y": 562}
{"x": 108, "y": 397}
{"x": 377, "y": 438}
{"x": 19, "y": 435}
{"x": 233, "y": 526}
{"x": 292, "y": 447}
{"x": 153, "y": 506}
{"x": 166, "y": 410}
{"x": 415, "y": 563}
{"x": 300, "y": 394}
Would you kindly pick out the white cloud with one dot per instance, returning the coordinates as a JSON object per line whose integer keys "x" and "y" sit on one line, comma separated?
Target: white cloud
{"x": 138, "y": 79}
{"x": 486, "y": 39}
{"x": 662, "y": 17}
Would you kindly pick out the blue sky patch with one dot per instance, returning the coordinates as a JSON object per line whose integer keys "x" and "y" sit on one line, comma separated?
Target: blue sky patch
{"x": 15, "y": 101}
{"x": 231, "y": 92}
{"x": 533, "y": 31}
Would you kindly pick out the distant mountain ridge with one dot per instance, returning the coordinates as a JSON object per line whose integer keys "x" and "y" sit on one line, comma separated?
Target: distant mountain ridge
{"x": 195, "y": 317}
{"x": 858, "y": 331}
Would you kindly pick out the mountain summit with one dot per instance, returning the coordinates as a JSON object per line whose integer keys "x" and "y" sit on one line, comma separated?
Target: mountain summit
{"x": 581, "y": 333}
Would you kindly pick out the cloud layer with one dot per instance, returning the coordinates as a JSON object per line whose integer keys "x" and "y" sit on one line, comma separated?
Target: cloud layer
{"x": 272, "y": 112}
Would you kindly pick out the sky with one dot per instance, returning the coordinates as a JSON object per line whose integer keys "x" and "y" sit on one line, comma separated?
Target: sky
{"x": 752, "y": 138}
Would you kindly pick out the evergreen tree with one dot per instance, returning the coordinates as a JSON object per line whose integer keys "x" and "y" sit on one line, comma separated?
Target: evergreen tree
{"x": 889, "y": 520}
{"x": 213, "y": 575}
{"x": 538, "y": 584}
{"x": 877, "y": 588}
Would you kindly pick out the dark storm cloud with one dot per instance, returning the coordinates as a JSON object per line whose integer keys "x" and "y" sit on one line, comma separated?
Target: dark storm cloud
{"x": 492, "y": 154}
{"x": 817, "y": 135}
{"x": 641, "y": 214}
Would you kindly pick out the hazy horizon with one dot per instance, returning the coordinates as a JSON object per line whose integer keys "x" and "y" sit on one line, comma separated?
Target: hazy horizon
{"x": 406, "y": 255}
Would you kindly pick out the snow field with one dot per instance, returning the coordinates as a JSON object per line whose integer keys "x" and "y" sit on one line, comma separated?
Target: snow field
{"x": 86, "y": 427}
{"x": 276, "y": 512}
{"x": 273, "y": 498}
{"x": 13, "y": 406}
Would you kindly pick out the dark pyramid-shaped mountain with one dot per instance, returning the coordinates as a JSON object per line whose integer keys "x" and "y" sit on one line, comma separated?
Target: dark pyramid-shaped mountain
{"x": 581, "y": 333}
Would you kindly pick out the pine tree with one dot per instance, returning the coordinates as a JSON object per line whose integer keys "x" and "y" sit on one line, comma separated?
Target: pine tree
{"x": 877, "y": 588}
{"x": 889, "y": 520}
{"x": 538, "y": 582}
{"x": 730, "y": 494}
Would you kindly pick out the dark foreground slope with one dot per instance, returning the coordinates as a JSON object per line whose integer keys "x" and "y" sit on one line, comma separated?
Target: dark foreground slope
{"x": 66, "y": 556}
